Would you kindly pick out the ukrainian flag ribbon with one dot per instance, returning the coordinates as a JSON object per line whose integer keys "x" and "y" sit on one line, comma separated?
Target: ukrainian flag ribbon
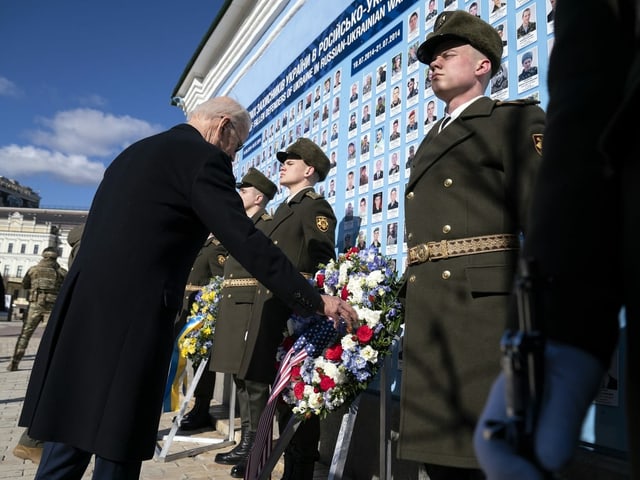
{"x": 175, "y": 381}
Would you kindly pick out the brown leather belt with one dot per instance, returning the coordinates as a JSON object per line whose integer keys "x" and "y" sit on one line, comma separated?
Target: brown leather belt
{"x": 431, "y": 251}
{"x": 239, "y": 282}
{"x": 250, "y": 282}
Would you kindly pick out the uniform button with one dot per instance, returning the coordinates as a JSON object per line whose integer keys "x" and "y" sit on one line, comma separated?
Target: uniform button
{"x": 275, "y": 242}
{"x": 448, "y": 182}
{"x": 412, "y": 278}
{"x": 228, "y": 295}
{"x": 410, "y": 195}
{"x": 409, "y": 236}
{"x": 258, "y": 291}
{"x": 446, "y": 229}
{"x": 446, "y": 274}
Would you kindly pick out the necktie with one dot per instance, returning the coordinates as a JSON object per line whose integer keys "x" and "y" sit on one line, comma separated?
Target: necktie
{"x": 444, "y": 123}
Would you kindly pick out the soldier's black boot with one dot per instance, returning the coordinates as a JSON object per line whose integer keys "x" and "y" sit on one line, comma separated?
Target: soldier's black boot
{"x": 198, "y": 417}
{"x": 15, "y": 360}
{"x": 238, "y": 470}
{"x": 239, "y": 452}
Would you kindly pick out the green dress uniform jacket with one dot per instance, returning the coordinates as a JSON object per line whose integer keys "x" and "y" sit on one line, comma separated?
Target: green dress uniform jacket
{"x": 474, "y": 178}
{"x": 208, "y": 263}
{"x": 234, "y": 311}
{"x": 251, "y": 320}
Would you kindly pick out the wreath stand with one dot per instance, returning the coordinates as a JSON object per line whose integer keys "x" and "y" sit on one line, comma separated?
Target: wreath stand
{"x": 343, "y": 441}
{"x": 162, "y": 452}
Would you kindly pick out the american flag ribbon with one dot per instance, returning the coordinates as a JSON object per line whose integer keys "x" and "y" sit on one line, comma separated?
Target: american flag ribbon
{"x": 311, "y": 342}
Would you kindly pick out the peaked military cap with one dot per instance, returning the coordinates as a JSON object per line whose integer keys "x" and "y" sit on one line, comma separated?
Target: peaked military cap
{"x": 461, "y": 25}
{"x": 255, "y": 178}
{"x": 312, "y": 154}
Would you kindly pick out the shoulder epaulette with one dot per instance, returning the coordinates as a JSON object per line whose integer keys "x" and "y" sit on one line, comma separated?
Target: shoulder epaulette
{"x": 215, "y": 241}
{"x": 313, "y": 194}
{"x": 518, "y": 102}
{"x": 266, "y": 217}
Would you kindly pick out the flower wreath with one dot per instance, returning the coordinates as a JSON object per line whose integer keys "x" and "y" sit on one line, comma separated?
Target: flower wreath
{"x": 344, "y": 368}
{"x": 197, "y": 341}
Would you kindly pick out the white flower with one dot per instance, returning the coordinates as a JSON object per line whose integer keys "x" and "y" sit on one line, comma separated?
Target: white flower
{"x": 369, "y": 354}
{"x": 348, "y": 343}
{"x": 355, "y": 288}
{"x": 332, "y": 370}
{"x": 375, "y": 278}
{"x": 371, "y": 317}
{"x": 343, "y": 277}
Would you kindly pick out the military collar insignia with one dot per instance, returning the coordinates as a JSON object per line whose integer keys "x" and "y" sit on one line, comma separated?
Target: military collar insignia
{"x": 537, "y": 142}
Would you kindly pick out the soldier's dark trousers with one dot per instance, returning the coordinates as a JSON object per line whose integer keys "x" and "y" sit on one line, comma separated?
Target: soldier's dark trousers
{"x": 35, "y": 316}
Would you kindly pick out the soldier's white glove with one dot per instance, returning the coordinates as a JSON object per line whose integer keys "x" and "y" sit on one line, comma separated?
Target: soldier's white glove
{"x": 571, "y": 381}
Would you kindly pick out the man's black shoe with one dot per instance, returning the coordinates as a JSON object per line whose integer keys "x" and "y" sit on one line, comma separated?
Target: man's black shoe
{"x": 238, "y": 470}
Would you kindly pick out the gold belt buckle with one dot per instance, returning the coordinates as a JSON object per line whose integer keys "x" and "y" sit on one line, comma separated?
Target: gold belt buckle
{"x": 422, "y": 252}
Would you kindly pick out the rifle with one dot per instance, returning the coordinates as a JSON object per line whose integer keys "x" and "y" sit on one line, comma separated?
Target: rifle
{"x": 523, "y": 367}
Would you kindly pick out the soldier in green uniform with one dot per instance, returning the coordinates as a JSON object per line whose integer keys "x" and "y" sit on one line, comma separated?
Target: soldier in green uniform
{"x": 465, "y": 206}
{"x": 252, "y": 320}
{"x": 209, "y": 263}
{"x": 587, "y": 191}
{"x": 43, "y": 281}
{"x": 238, "y": 293}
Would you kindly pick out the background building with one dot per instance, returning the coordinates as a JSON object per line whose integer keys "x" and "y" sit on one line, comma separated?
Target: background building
{"x": 12, "y": 194}
{"x": 308, "y": 67}
{"x": 24, "y": 234}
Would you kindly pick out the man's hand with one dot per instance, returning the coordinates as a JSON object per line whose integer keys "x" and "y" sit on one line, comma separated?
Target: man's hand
{"x": 572, "y": 379}
{"x": 337, "y": 309}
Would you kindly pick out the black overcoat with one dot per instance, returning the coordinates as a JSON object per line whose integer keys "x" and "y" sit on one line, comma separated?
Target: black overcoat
{"x": 473, "y": 179}
{"x": 101, "y": 368}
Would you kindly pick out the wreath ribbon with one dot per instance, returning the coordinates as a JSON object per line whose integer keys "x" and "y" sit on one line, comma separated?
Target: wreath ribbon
{"x": 174, "y": 386}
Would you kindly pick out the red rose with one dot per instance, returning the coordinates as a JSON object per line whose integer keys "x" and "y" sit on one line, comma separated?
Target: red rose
{"x": 327, "y": 383}
{"x": 333, "y": 353}
{"x": 298, "y": 390}
{"x": 295, "y": 372}
{"x": 364, "y": 334}
{"x": 320, "y": 280}
{"x": 345, "y": 293}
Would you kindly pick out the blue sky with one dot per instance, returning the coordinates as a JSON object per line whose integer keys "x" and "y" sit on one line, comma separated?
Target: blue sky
{"x": 80, "y": 80}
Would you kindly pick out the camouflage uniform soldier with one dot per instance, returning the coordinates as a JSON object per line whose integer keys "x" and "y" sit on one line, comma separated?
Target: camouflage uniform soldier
{"x": 44, "y": 281}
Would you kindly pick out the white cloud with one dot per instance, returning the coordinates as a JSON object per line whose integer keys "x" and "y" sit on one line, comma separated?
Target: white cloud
{"x": 8, "y": 88}
{"x": 18, "y": 161}
{"x": 90, "y": 132}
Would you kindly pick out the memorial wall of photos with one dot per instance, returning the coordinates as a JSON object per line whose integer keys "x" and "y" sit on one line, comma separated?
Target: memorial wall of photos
{"x": 360, "y": 93}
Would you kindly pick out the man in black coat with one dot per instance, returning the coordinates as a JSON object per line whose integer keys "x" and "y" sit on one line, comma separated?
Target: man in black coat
{"x": 98, "y": 379}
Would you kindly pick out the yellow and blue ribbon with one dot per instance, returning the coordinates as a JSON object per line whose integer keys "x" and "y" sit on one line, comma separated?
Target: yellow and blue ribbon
{"x": 175, "y": 381}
